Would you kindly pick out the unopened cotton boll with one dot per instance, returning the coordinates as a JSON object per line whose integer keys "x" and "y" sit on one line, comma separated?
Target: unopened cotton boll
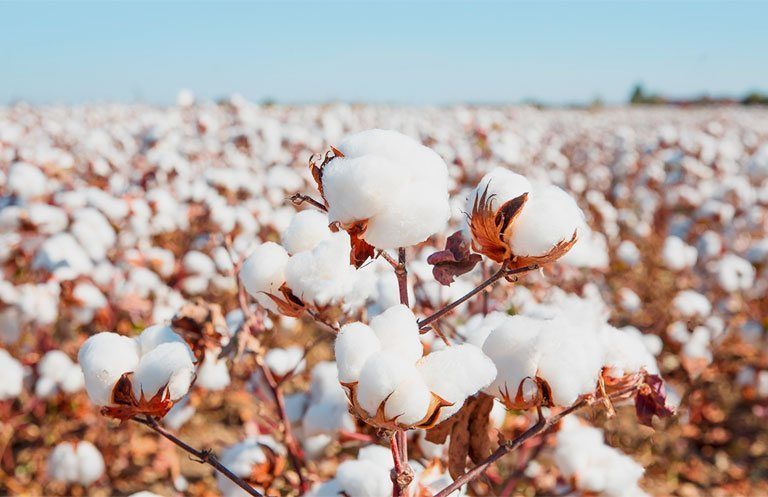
{"x": 13, "y": 376}
{"x": 81, "y": 463}
{"x": 306, "y": 230}
{"x": 397, "y": 186}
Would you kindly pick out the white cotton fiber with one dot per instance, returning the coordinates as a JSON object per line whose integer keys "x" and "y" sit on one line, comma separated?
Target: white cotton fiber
{"x": 324, "y": 274}
{"x": 398, "y": 331}
{"x": 283, "y": 361}
{"x": 409, "y": 403}
{"x": 363, "y": 479}
{"x": 155, "y": 335}
{"x": 306, "y": 230}
{"x": 677, "y": 254}
{"x": 76, "y": 463}
{"x": 391, "y": 181}
{"x": 263, "y": 271}
{"x": 550, "y": 216}
{"x": 502, "y": 185}
{"x": 168, "y": 364}
{"x": 13, "y": 376}
{"x": 213, "y": 373}
{"x": 355, "y": 343}
{"x": 457, "y": 372}
{"x": 513, "y": 348}
{"x": 691, "y": 303}
{"x": 104, "y": 358}
{"x": 381, "y": 374}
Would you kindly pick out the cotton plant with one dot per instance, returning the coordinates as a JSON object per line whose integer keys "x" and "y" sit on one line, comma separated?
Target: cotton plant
{"x": 146, "y": 374}
{"x": 58, "y": 373}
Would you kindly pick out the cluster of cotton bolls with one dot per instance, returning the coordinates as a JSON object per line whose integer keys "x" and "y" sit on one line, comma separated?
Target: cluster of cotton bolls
{"x": 115, "y": 217}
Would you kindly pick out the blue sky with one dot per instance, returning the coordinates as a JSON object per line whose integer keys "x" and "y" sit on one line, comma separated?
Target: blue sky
{"x": 413, "y": 53}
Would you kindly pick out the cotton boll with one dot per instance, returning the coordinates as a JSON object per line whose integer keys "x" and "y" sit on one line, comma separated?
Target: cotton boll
{"x": 327, "y": 418}
{"x": 629, "y": 300}
{"x": 306, "y": 230}
{"x": 409, "y": 403}
{"x": 513, "y": 348}
{"x": 570, "y": 361}
{"x": 180, "y": 413}
{"x": 382, "y": 171}
{"x": 169, "y": 365}
{"x": 263, "y": 271}
{"x": 104, "y": 358}
{"x": 62, "y": 252}
{"x": 550, "y": 216}
{"x": 195, "y": 262}
{"x": 81, "y": 463}
{"x": 735, "y": 273}
{"x": 398, "y": 331}
{"x": 241, "y": 459}
{"x": 155, "y": 335}
{"x": 10, "y": 325}
{"x": 26, "y": 181}
{"x": 478, "y": 327}
{"x": 283, "y": 361}
{"x": 502, "y": 184}
{"x": 91, "y": 465}
{"x": 363, "y": 479}
{"x": 355, "y": 343}
{"x": 380, "y": 376}
{"x": 625, "y": 352}
{"x": 213, "y": 373}
{"x": 13, "y": 376}
{"x": 460, "y": 369}
{"x": 63, "y": 463}
{"x": 691, "y": 303}
{"x": 678, "y": 255}
{"x": 628, "y": 253}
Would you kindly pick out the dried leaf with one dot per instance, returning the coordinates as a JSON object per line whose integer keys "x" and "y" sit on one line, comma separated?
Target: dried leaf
{"x": 200, "y": 324}
{"x": 651, "y": 400}
{"x": 479, "y": 428}
{"x": 458, "y": 449}
{"x": 454, "y": 261}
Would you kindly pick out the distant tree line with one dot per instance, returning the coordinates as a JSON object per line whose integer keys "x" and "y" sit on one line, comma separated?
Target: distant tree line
{"x": 639, "y": 96}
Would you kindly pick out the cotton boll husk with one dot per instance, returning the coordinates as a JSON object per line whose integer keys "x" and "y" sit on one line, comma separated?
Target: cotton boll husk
{"x": 571, "y": 360}
{"x": 513, "y": 348}
{"x": 13, "y": 376}
{"x": 213, "y": 373}
{"x": 355, "y": 343}
{"x": 398, "y": 331}
{"x": 168, "y": 364}
{"x": 306, "y": 230}
{"x": 363, "y": 479}
{"x": 283, "y": 361}
{"x": 264, "y": 272}
{"x": 409, "y": 403}
{"x": 380, "y": 376}
{"x": 323, "y": 275}
{"x": 503, "y": 184}
{"x": 104, "y": 358}
{"x": 550, "y": 216}
{"x": 91, "y": 463}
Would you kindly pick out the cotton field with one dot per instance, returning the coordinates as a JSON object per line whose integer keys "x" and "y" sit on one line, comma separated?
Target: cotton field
{"x": 229, "y": 298}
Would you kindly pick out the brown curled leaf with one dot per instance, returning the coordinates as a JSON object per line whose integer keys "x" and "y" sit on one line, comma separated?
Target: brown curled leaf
{"x": 458, "y": 449}
{"x": 651, "y": 400}
{"x": 454, "y": 260}
{"x": 479, "y": 428}
{"x": 201, "y": 325}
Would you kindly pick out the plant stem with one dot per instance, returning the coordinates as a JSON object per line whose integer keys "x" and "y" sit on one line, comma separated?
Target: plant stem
{"x": 204, "y": 456}
{"x": 501, "y": 273}
{"x": 402, "y": 276}
{"x": 299, "y": 199}
{"x": 399, "y": 441}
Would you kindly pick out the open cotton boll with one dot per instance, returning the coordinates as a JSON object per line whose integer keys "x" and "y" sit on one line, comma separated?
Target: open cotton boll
{"x": 196, "y": 262}
{"x": 324, "y": 384}
{"x": 327, "y": 418}
{"x": 264, "y": 272}
{"x": 155, "y": 335}
{"x": 62, "y": 252}
{"x": 735, "y": 273}
{"x": 458, "y": 370}
{"x": 550, "y": 216}
{"x": 677, "y": 254}
{"x": 322, "y": 275}
{"x": 500, "y": 183}
{"x": 306, "y": 230}
{"x": 283, "y": 361}
{"x": 57, "y": 371}
{"x": 571, "y": 360}
{"x": 382, "y": 171}
{"x": 582, "y": 455}
{"x": 363, "y": 479}
{"x": 26, "y": 181}
{"x": 354, "y": 345}
{"x": 628, "y": 253}
{"x": 380, "y": 376}
{"x": 81, "y": 463}
{"x": 13, "y": 376}
{"x": 410, "y": 401}
{"x": 213, "y": 373}
{"x": 169, "y": 365}
{"x": 513, "y": 348}
{"x": 478, "y": 327}
{"x": 625, "y": 352}
{"x": 398, "y": 331}
{"x": 105, "y": 357}
{"x": 691, "y": 303}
